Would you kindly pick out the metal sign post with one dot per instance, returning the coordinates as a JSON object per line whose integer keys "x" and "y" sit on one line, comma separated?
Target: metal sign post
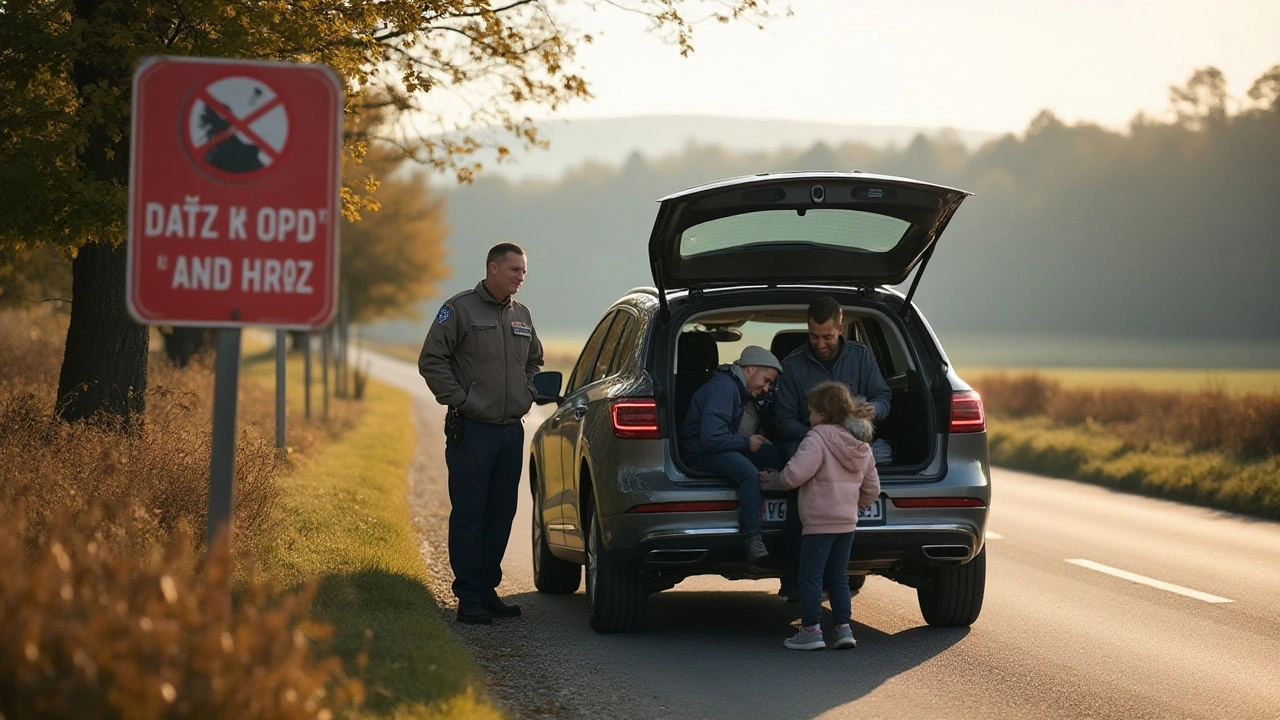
{"x": 234, "y": 174}
{"x": 325, "y": 341}
{"x": 222, "y": 466}
{"x": 306, "y": 379}
{"x": 282, "y": 357}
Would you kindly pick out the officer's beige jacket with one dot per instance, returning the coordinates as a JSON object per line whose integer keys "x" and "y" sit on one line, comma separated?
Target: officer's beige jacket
{"x": 480, "y": 356}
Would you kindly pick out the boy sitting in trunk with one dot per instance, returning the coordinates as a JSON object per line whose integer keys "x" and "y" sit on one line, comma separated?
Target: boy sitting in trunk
{"x": 709, "y": 439}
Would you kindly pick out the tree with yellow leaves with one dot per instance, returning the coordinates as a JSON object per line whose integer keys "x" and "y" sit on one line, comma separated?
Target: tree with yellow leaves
{"x": 66, "y": 69}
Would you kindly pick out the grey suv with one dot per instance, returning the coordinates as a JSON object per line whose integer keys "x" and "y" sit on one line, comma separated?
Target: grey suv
{"x": 737, "y": 262}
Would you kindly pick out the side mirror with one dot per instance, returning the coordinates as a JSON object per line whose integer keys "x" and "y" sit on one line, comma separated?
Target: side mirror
{"x": 547, "y": 386}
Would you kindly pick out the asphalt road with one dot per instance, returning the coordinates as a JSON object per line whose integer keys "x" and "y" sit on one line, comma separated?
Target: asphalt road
{"x": 1098, "y": 604}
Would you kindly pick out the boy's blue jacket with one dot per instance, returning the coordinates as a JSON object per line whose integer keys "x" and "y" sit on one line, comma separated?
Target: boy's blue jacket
{"x": 711, "y": 424}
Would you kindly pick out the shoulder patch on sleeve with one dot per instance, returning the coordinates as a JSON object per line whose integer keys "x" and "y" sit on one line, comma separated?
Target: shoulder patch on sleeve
{"x": 445, "y": 313}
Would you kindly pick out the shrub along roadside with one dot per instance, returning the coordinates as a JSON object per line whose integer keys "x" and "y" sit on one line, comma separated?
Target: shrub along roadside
{"x": 347, "y": 526}
{"x": 85, "y": 632}
{"x": 109, "y": 607}
{"x": 108, "y": 604}
{"x": 1091, "y": 453}
{"x": 1207, "y": 447}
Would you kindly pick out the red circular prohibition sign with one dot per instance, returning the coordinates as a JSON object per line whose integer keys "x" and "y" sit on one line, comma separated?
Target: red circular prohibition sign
{"x": 236, "y": 128}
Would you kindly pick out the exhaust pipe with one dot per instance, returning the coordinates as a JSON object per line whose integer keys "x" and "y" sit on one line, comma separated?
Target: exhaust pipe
{"x": 953, "y": 553}
{"x": 674, "y": 557}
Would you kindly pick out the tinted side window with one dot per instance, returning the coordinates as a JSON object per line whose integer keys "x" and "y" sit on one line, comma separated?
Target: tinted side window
{"x": 587, "y": 360}
{"x": 629, "y": 336}
{"x": 609, "y": 347}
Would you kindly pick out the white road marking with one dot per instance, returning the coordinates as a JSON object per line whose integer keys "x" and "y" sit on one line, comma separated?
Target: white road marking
{"x": 1144, "y": 580}
{"x": 994, "y": 535}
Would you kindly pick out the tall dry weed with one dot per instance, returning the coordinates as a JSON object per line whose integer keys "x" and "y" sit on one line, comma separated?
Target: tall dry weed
{"x": 109, "y": 605}
{"x": 145, "y": 485}
{"x": 1245, "y": 426}
{"x": 89, "y": 632}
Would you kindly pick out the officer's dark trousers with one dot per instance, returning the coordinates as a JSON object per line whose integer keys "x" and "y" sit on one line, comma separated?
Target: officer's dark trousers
{"x": 484, "y": 487}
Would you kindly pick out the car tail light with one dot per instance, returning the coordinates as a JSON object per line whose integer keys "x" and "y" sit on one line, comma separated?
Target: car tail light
{"x": 966, "y": 413}
{"x": 698, "y": 506}
{"x": 636, "y": 418}
{"x": 937, "y": 502}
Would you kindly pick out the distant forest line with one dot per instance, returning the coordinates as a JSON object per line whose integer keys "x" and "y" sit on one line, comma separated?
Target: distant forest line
{"x": 1166, "y": 231}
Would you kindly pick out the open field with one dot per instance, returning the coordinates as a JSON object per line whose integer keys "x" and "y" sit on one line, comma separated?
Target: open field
{"x": 557, "y": 355}
{"x": 1208, "y": 445}
{"x": 1190, "y": 379}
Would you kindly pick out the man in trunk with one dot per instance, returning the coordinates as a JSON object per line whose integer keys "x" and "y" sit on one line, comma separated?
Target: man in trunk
{"x": 827, "y": 356}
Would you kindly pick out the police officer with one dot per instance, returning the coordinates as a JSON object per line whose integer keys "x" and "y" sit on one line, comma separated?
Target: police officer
{"x": 479, "y": 359}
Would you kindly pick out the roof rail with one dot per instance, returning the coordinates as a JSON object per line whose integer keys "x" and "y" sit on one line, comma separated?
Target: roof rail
{"x": 647, "y": 290}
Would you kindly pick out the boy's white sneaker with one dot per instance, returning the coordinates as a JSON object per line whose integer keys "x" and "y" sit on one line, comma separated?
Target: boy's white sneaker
{"x": 844, "y": 638}
{"x": 805, "y": 640}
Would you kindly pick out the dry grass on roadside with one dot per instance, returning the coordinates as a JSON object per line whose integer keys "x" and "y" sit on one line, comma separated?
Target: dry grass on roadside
{"x": 142, "y": 487}
{"x": 146, "y": 486}
{"x": 108, "y": 603}
{"x": 1246, "y": 426}
{"x": 87, "y": 631}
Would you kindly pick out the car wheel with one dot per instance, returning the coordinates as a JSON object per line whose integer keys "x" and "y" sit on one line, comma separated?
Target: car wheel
{"x": 550, "y": 574}
{"x": 954, "y": 597}
{"x": 856, "y": 582}
{"x": 615, "y": 597}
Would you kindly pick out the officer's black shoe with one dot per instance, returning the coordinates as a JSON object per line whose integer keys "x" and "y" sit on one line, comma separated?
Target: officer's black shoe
{"x": 497, "y": 608}
{"x": 474, "y": 614}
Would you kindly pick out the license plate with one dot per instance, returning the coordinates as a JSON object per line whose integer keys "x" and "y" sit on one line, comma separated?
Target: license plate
{"x": 774, "y": 510}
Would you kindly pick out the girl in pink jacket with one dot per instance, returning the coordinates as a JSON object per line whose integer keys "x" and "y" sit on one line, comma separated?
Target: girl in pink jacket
{"x": 837, "y": 477}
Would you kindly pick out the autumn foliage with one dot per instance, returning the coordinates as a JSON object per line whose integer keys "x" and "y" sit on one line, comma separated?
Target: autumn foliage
{"x": 110, "y": 605}
{"x": 86, "y": 631}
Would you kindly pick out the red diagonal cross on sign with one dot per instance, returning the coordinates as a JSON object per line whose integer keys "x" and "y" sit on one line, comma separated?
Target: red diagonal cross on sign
{"x": 238, "y": 125}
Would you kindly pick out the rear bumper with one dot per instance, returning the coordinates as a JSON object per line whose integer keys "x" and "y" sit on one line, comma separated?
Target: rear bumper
{"x": 694, "y": 543}
{"x": 719, "y": 549}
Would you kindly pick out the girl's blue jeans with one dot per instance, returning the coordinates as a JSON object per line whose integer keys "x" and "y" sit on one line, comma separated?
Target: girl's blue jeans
{"x": 825, "y": 556}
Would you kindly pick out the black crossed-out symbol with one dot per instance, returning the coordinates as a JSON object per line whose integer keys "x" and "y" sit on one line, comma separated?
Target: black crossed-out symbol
{"x": 236, "y": 125}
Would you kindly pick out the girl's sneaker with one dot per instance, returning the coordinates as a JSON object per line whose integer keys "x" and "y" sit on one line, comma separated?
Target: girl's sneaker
{"x": 844, "y": 638}
{"x": 805, "y": 639}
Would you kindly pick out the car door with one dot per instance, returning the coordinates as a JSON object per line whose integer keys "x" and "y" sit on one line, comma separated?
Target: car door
{"x": 560, "y": 437}
{"x": 591, "y": 406}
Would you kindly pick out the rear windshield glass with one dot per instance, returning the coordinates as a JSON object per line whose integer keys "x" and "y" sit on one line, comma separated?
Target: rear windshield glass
{"x": 845, "y": 229}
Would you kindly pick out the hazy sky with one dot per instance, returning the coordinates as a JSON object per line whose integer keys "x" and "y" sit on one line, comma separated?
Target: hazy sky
{"x": 976, "y": 64}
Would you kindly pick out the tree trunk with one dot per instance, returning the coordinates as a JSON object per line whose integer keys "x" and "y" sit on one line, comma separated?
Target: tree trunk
{"x": 104, "y": 368}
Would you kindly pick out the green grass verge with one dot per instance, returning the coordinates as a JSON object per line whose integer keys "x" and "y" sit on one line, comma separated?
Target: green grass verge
{"x": 348, "y": 529}
{"x": 1090, "y": 454}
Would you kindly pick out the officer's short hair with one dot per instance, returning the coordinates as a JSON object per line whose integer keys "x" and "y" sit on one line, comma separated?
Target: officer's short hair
{"x": 825, "y": 309}
{"x": 499, "y": 251}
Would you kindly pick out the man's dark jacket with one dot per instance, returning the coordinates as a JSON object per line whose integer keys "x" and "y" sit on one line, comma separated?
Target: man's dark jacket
{"x": 802, "y": 371}
{"x": 711, "y": 424}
